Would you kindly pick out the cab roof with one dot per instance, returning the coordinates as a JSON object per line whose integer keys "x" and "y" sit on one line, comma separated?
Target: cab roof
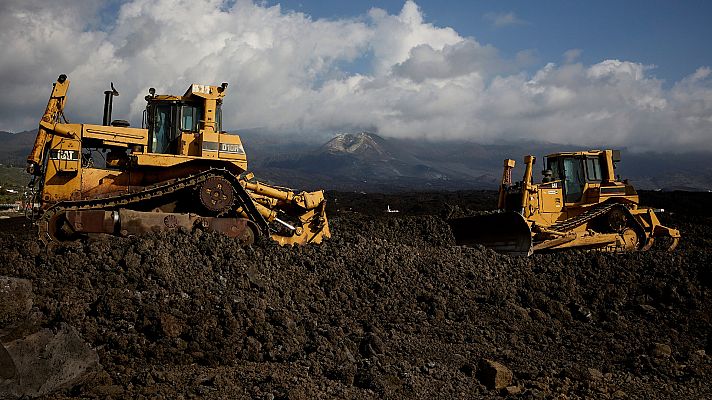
{"x": 615, "y": 154}
{"x": 576, "y": 153}
{"x": 195, "y": 90}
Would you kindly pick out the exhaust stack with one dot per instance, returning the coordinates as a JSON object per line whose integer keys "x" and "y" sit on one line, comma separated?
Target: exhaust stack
{"x": 108, "y": 103}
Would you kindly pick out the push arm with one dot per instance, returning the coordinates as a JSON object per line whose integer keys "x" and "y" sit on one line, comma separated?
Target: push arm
{"x": 54, "y": 109}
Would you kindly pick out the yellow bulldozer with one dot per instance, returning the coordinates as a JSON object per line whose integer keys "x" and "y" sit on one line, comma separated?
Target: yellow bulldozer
{"x": 180, "y": 171}
{"x": 578, "y": 204}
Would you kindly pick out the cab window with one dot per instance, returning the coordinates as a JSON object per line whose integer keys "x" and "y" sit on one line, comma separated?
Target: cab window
{"x": 190, "y": 118}
{"x": 162, "y": 122}
{"x": 554, "y": 166}
{"x": 218, "y": 118}
{"x": 574, "y": 179}
{"x": 593, "y": 169}
{"x": 161, "y": 130}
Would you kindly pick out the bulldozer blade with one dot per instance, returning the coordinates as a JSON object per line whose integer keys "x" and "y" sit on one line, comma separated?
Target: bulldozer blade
{"x": 506, "y": 233}
{"x": 674, "y": 243}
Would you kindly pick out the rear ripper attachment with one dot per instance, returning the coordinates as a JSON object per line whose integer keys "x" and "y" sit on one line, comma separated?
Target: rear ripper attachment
{"x": 180, "y": 171}
{"x": 578, "y": 204}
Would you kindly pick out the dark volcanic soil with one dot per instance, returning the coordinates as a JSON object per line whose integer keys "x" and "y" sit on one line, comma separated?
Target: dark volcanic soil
{"x": 388, "y": 308}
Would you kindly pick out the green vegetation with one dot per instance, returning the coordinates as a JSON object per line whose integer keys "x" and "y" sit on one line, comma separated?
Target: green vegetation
{"x": 15, "y": 179}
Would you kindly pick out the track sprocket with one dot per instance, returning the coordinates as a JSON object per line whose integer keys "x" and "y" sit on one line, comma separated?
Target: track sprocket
{"x": 216, "y": 195}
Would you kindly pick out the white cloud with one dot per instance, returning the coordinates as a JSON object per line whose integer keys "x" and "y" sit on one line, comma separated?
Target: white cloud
{"x": 701, "y": 74}
{"x": 572, "y": 55}
{"x": 285, "y": 74}
{"x": 500, "y": 20}
{"x": 462, "y": 58}
{"x": 395, "y": 35}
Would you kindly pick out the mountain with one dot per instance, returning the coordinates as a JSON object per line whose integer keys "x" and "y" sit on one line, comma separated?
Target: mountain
{"x": 366, "y": 161}
{"x": 16, "y": 146}
{"x": 364, "y": 145}
{"x": 655, "y": 171}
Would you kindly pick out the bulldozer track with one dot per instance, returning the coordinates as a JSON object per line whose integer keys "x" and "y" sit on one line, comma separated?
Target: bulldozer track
{"x": 571, "y": 223}
{"x": 149, "y": 193}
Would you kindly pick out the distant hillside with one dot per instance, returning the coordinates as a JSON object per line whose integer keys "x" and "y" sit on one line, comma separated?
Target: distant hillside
{"x": 15, "y": 147}
{"x": 691, "y": 171}
{"x": 13, "y": 182}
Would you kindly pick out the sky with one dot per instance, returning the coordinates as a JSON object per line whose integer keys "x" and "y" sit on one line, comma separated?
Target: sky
{"x": 633, "y": 74}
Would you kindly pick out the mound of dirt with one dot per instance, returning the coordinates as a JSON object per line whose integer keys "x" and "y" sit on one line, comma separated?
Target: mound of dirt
{"x": 388, "y": 308}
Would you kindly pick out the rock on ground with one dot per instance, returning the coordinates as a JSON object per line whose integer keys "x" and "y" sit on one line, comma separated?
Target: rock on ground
{"x": 493, "y": 374}
{"x": 47, "y": 361}
{"x": 15, "y": 299}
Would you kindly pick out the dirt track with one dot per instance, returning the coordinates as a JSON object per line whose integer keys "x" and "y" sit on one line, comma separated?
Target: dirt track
{"x": 388, "y": 308}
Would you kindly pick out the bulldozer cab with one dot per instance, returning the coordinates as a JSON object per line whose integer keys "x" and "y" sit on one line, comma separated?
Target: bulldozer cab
{"x": 575, "y": 171}
{"x": 167, "y": 120}
{"x": 189, "y": 127}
